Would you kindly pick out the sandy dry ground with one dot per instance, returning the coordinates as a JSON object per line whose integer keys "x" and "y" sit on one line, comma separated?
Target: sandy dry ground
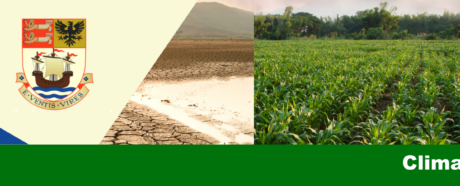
{"x": 204, "y": 85}
{"x": 192, "y": 60}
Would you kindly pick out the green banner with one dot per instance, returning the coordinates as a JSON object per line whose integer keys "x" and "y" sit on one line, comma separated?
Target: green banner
{"x": 222, "y": 165}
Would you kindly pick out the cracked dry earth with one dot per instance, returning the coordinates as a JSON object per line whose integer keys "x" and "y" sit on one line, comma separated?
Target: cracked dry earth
{"x": 182, "y": 62}
{"x": 138, "y": 124}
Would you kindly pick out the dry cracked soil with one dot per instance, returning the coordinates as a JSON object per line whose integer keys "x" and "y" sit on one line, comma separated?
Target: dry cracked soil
{"x": 181, "y": 61}
{"x": 138, "y": 124}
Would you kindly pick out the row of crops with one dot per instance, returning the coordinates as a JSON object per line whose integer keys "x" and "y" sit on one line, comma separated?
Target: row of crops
{"x": 357, "y": 92}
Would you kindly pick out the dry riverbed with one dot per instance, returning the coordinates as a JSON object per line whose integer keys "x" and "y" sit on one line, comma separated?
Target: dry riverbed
{"x": 205, "y": 88}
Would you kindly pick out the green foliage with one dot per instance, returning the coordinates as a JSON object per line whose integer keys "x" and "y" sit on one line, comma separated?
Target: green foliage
{"x": 288, "y": 12}
{"x": 380, "y": 17}
{"x": 431, "y": 37}
{"x": 305, "y": 24}
{"x": 403, "y": 35}
{"x": 278, "y": 27}
{"x": 359, "y": 37}
{"x": 384, "y": 35}
{"x": 457, "y": 30}
{"x": 428, "y": 23}
{"x": 374, "y": 33}
{"x": 333, "y": 34}
{"x": 449, "y": 33}
{"x": 357, "y": 92}
{"x": 260, "y": 26}
{"x": 330, "y": 27}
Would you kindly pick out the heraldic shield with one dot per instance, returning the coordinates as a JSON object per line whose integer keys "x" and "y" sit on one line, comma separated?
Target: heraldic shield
{"x": 54, "y": 62}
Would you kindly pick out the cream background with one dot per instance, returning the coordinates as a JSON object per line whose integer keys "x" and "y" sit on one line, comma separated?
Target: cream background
{"x": 124, "y": 39}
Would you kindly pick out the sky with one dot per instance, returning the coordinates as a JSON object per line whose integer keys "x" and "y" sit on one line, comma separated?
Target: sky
{"x": 350, "y": 7}
{"x": 247, "y": 5}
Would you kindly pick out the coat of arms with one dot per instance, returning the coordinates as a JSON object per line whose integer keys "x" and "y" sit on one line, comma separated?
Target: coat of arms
{"x": 54, "y": 62}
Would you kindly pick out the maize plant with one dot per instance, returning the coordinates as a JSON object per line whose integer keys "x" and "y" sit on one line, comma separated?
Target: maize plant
{"x": 357, "y": 92}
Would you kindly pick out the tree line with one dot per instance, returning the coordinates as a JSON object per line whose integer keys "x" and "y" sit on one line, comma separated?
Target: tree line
{"x": 377, "y": 23}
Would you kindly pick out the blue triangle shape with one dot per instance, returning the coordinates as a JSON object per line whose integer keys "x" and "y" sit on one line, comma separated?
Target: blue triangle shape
{"x": 8, "y": 139}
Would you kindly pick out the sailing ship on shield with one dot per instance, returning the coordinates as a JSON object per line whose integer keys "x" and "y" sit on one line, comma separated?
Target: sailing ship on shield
{"x": 56, "y": 75}
{"x": 54, "y": 85}
{"x": 52, "y": 75}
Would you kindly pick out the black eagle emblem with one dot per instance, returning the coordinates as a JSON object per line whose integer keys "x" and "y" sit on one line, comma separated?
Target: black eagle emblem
{"x": 69, "y": 32}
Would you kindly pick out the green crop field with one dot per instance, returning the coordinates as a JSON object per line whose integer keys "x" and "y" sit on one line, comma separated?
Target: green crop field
{"x": 357, "y": 92}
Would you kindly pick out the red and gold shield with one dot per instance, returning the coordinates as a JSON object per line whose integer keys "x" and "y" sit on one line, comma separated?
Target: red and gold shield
{"x": 54, "y": 62}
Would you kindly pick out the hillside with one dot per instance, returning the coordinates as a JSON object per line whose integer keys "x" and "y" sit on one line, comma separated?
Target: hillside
{"x": 210, "y": 19}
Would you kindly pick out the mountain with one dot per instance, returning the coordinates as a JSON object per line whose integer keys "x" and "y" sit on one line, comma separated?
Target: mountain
{"x": 216, "y": 19}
